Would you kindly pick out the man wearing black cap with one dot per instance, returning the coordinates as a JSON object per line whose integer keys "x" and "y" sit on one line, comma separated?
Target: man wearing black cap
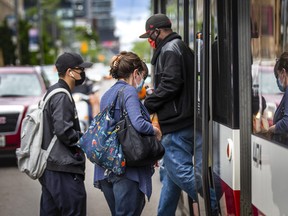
{"x": 63, "y": 190}
{"x": 173, "y": 101}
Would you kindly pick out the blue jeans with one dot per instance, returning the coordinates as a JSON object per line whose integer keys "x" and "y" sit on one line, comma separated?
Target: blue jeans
{"x": 178, "y": 173}
{"x": 123, "y": 196}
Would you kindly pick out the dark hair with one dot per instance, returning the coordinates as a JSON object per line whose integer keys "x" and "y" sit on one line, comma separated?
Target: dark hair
{"x": 281, "y": 63}
{"x": 62, "y": 75}
{"x": 124, "y": 64}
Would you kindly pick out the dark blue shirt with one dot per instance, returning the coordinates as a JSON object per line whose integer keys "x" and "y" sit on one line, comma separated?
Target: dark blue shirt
{"x": 281, "y": 115}
{"x": 140, "y": 120}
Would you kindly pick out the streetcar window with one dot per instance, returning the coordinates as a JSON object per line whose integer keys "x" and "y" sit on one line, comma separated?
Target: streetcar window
{"x": 225, "y": 92}
{"x": 268, "y": 40}
{"x": 174, "y": 11}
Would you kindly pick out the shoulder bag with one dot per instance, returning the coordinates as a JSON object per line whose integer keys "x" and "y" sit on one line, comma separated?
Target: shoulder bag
{"x": 139, "y": 149}
{"x": 100, "y": 142}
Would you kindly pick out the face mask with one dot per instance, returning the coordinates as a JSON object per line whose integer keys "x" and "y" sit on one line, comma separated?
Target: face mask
{"x": 280, "y": 86}
{"x": 140, "y": 86}
{"x": 152, "y": 43}
{"x": 79, "y": 82}
{"x": 154, "y": 40}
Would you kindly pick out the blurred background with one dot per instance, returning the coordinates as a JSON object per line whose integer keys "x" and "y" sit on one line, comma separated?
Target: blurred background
{"x": 35, "y": 32}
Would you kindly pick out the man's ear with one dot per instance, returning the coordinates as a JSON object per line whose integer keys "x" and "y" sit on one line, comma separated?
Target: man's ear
{"x": 69, "y": 71}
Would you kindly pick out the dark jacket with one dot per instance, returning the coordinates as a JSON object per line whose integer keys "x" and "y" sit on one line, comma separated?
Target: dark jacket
{"x": 60, "y": 118}
{"x": 173, "y": 97}
{"x": 280, "y": 118}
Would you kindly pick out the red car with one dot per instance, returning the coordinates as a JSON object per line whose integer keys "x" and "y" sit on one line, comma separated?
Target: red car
{"x": 21, "y": 88}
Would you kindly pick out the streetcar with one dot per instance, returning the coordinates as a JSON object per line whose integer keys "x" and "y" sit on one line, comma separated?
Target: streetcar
{"x": 236, "y": 44}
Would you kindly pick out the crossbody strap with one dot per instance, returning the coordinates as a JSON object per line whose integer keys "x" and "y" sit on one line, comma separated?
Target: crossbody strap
{"x": 120, "y": 95}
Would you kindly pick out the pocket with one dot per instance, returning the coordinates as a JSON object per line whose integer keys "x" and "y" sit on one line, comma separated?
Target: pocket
{"x": 78, "y": 178}
{"x": 168, "y": 111}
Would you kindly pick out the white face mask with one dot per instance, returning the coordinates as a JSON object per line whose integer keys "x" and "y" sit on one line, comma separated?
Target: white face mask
{"x": 140, "y": 86}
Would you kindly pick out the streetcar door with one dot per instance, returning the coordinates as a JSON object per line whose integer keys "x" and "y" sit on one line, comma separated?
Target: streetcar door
{"x": 225, "y": 107}
{"x": 206, "y": 33}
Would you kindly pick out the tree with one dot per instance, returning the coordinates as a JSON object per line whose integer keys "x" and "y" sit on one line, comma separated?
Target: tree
{"x": 88, "y": 42}
{"x": 6, "y": 45}
{"x": 142, "y": 49}
{"x": 50, "y": 30}
{"x": 24, "y": 27}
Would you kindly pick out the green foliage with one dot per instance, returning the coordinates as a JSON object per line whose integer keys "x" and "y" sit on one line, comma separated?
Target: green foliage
{"x": 50, "y": 29}
{"x": 6, "y": 44}
{"x": 25, "y": 57}
{"x": 142, "y": 49}
{"x": 53, "y": 36}
{"x": 83, "y": 35}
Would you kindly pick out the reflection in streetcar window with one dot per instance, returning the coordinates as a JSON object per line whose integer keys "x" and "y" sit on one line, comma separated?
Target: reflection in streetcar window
{"x": 264, "y": 83}
{"x": 269, "y": 40}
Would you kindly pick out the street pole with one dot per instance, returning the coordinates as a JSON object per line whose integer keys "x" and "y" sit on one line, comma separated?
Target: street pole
{"x": 40, "y": 31}
{"x": 18, "y": 47}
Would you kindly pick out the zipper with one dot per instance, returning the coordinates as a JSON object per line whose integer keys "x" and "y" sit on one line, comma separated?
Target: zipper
{"x": 174, "y": 105}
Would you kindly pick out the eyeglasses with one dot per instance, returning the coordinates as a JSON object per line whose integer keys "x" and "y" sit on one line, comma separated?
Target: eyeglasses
{"x": 81, "y": 69}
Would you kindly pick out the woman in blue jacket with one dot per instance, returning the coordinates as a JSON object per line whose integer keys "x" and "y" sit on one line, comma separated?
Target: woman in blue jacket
{"x": 125, "y": 194}
{"x": 280, "y": 120}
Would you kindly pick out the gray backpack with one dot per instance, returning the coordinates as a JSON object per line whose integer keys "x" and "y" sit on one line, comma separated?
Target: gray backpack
{"x": 31, "y": 158}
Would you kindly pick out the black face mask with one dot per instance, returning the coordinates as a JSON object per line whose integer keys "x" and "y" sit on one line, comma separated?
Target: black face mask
{"x": 79, "y": 82}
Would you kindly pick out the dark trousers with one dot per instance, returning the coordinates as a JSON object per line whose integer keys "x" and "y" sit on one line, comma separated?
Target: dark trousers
{"x": 62, "y": 194}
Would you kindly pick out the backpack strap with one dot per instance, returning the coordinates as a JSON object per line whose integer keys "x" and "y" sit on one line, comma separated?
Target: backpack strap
{"x": 51, "y": 144}
{"x": 43, "y": 103}
{"x": 53, "y": 92}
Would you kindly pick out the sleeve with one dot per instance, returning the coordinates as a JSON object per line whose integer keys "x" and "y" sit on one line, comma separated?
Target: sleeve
{"x": 170, "y": 84}
{"x": 133, "y": 107}
{"x": 282, "y": 124}
{"x": 63, "y": 117}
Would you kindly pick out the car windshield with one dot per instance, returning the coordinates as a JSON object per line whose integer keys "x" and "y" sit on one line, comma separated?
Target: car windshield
{"x": 19, "y": 85}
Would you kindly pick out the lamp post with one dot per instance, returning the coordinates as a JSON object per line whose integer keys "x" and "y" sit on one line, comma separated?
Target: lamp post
{"x": 18, "y": 47}
{"x": 40, "y": 31}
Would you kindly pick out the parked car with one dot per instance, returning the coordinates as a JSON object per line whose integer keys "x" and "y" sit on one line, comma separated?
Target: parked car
{"x": 50, "y": 72}
{"x": 21, "y": 88}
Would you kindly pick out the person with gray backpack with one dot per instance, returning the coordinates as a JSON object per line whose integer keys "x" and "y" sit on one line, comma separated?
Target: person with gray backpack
{"x": 63, "y": 189}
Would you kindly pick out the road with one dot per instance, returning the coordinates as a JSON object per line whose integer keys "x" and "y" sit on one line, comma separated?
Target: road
{"x": 20, "y": 195}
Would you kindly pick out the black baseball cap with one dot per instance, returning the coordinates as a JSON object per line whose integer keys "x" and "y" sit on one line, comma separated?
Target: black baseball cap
{"x": 70, "y": 60}
{"x": 154, "y": 22}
